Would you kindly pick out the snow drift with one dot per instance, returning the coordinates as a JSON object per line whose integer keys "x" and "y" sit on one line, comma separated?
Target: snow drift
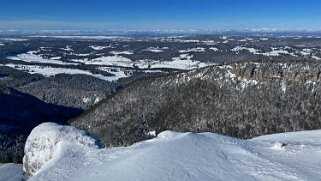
{"x": 44, "y": 141}
{"x": 179, "y": 156}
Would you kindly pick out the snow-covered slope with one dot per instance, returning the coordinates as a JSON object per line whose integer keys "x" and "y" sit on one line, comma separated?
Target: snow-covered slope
{"x": 191, "y": 156}
{"x": 11, "y": 172}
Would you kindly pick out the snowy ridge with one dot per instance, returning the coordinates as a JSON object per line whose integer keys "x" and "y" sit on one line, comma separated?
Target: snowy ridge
{"x": 191, "y": 156}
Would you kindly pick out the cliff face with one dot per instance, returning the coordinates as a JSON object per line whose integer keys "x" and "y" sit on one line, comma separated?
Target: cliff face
{"x": 241, "y": 100}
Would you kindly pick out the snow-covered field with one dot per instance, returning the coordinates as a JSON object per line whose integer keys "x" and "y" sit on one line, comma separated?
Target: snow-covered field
{"x": 100, "y": 47}
{"x": 197, "y": 49}
{"x": 273, "y": 53}
{"x": 121, "y": 52}
{"x": 183, "y": 62}
{"x": 115, "y": 60}
{"x": 48, "y": 71}
{"x": 185, "y": 156}
{"x": 30, "y": 57}
{"x": 156, "y": 49}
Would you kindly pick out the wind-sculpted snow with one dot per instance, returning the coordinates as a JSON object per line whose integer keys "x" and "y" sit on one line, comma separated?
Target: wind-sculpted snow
{"x": 42, "y": 144}
{"x": 190, "y": 156}
{"x": 11, "y": 172}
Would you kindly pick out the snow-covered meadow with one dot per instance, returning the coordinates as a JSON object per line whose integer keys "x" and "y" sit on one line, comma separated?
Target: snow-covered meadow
{"x": 31, "y": 57}
{"x": 48, "y": 71}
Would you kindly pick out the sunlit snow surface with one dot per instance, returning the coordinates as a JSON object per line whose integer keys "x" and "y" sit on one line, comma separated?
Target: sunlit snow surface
{"x": 48, "y": 71}
{"x": 30, "y": 57}
{"x": 191, "y": 156}
{"x": 11, "y": 172}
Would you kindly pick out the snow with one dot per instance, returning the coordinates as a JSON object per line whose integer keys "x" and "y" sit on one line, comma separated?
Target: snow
{"x": 152, "y": 133}
{"x": 273, "y": 53}
{"x": 187, "y": 156}
{"x": 100, "y": 47}
{"x": 187, "y": 41}
{"x": 184, "y": 62}
{"x": 283, "y": 86}
{"x": 224, "y": 37}
{"x": 156, "y": 49}
{"x": 81, "y": 54}
{"x": 116, "y": 74}
{"x": 278, "y": 146}
{"x": 246, "y": 39}
{"x": 214, "y": 49}
{"x": 277, "y": 52}
{"x": 55, "y": 58}
{"x": 115, "y": 60}
{"x": 67, "y": 48}
{"x": 42, "y": 141}
{"x": 48, "y": 71}
{"x": 14, "y": 39}
{"x": 306, "y": 52}
{"x": 30, "y": 57}
{"x": 96, "y": 100}
{"x": 197, "y": 49}
{"x": 44, "y": 48}
{"x": 240, "y": 48}
{"x": 144, "y": 64}
{"x": 121, "y": 52}
{"x": 86, "y": 99}
{"x": 11, "y": 172}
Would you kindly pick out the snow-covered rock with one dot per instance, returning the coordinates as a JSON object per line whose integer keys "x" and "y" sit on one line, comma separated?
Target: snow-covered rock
{"x": 191, "y": 156}
{"x": 44, "y": 140}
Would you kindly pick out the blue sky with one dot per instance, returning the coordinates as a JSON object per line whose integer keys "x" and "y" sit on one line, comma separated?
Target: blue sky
{"x": 159, "y": 14}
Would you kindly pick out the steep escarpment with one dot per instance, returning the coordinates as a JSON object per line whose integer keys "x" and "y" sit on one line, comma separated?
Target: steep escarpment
{"x": 241, "y": 100}
{"x": 19, "y": 114}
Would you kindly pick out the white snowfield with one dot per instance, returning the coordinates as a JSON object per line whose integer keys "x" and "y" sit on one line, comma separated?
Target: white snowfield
{"x": 273, "y": 53}
{"x": 156, "y": 49}
{"x": 126, "y": 52}
{"x": 180, "y": 156}
{"x": 48, "y": 71}
{"x": 197, "y": 49}
{"x": 100, "y": 47}
{"x": 183, "y": 62}
{"x": 30, "y": 57}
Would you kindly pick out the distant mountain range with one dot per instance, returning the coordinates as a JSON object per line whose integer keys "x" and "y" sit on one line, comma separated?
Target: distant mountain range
{"x": 245, "y": 31}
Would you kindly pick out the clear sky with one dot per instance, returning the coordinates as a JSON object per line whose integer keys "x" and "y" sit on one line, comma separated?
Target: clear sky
{"x": 159, "y": 14}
